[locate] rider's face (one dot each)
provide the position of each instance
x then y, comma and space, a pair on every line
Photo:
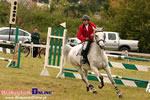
85, 22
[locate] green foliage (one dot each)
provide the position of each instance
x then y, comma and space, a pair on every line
131, 19
86, 7
76, 10
73, 1
4, 13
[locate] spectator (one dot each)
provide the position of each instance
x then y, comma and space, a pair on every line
35, 38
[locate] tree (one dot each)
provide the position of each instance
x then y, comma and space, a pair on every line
131, 19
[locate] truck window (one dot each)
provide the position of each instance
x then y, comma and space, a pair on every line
104, 36
111, 36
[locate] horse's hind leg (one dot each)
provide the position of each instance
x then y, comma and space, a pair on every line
107, 69
85, 80
100, 77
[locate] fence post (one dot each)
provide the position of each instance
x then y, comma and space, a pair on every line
31, 49
126, 54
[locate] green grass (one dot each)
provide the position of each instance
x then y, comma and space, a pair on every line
65, 89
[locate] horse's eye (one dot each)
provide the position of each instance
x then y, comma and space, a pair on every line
96, 36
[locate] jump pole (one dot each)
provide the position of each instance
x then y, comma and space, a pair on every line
118, 80
114, 76
5, 59
128, 66
128, 57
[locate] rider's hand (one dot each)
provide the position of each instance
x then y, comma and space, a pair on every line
92, 35
86, 38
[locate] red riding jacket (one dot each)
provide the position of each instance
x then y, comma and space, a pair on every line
83, 32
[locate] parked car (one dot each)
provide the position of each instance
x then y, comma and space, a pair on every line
23, 35
113, 42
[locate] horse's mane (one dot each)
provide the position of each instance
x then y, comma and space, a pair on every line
99, 29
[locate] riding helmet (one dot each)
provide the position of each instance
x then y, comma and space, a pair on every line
85, 17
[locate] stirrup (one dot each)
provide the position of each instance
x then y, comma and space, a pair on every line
83, 61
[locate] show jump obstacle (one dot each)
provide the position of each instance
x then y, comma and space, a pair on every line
54, 59
15, 62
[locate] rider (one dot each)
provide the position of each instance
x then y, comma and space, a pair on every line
86, 34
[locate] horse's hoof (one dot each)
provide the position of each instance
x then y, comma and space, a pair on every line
87, 89
95, 92
120, 96
100, 87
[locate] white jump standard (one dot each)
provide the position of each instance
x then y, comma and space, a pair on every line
52, 36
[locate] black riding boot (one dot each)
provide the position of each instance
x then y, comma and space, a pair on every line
83, 53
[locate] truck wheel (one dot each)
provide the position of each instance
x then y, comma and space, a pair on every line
124, 48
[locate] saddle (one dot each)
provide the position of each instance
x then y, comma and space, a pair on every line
79, 54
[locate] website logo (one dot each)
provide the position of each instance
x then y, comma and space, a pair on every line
35, 91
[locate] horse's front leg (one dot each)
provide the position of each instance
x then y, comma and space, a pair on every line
85, 80
86, 73
107, 69
100, 77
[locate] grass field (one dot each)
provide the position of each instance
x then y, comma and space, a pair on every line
65, 89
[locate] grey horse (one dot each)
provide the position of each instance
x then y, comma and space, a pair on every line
97, 60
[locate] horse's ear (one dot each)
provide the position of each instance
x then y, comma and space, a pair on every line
102, 28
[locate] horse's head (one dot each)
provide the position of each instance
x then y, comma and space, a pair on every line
99, 37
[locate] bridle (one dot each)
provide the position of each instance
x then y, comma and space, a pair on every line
97, 41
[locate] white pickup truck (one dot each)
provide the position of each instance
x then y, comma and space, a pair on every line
113, 42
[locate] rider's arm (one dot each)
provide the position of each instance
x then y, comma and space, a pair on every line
79, 35
92, 34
